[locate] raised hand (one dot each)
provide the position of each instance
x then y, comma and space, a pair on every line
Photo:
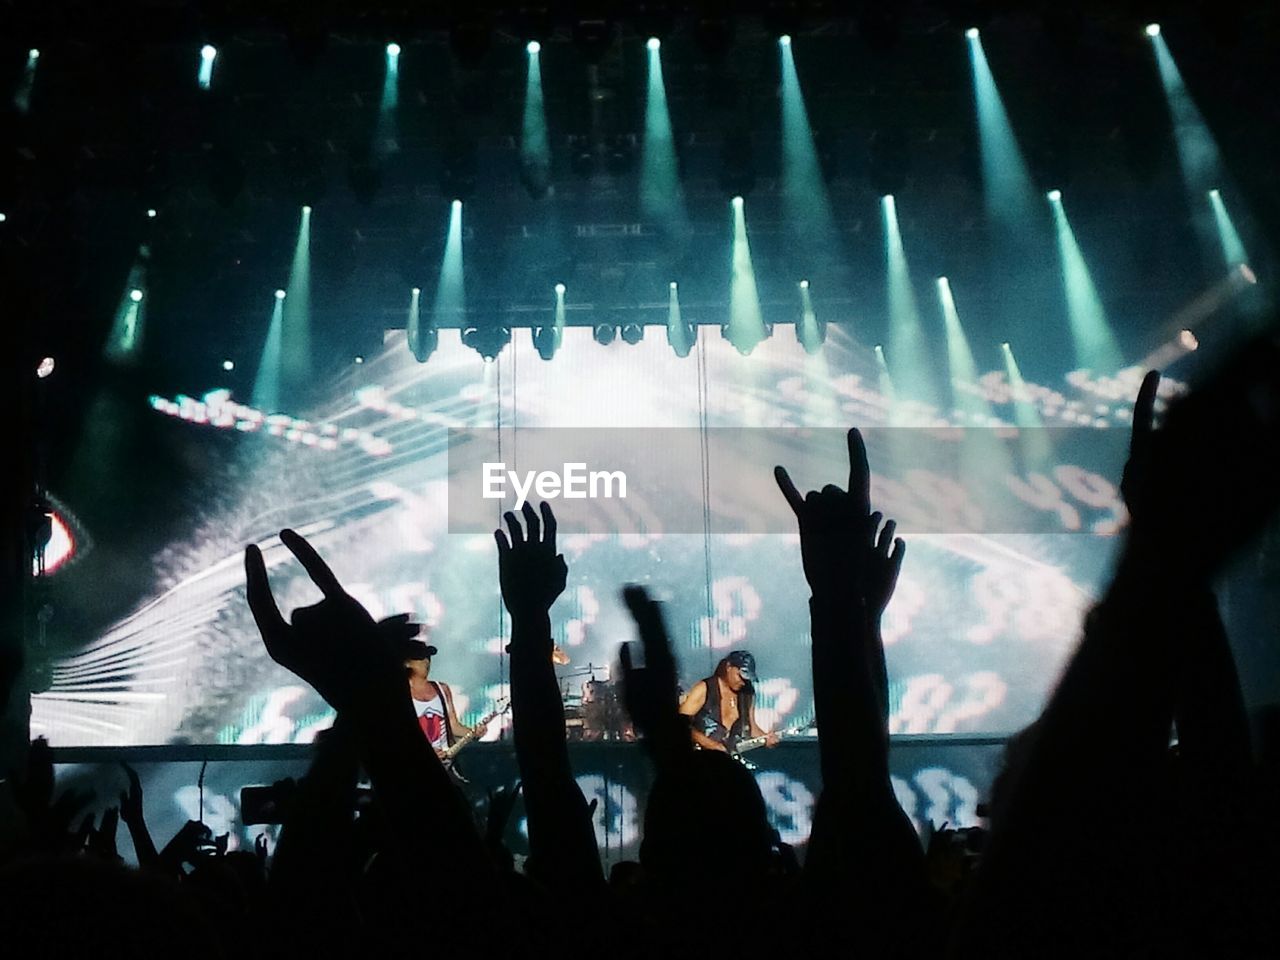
650, 693
1137, 469
101, 843
334, 645
131, 799
532, 575
843, 557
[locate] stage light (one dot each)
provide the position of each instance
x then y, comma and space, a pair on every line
280, 294
737, 201
1094, 343
535, 144
359, 359
393, 49
534, 47
416, 291
972, 33
457, 206
674, 285
228, 365
1229, 240
632, 333
45, 368
151, 214
1188, 340
1054, 196
33, 54
135, 296
1247, 273
3, 217
785, 40
1153, 29
804, 284
604, 333
208, 54
560, 288
661, 192
306, 210
1005, 345
654, 43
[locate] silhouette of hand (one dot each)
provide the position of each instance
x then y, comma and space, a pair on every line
101, 843
131, 799
334, 645
649, 692
501, 802
1137, 469
532, 575
49, 819
838, 543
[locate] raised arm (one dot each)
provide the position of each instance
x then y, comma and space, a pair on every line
562, 841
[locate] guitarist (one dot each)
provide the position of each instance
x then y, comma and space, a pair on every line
432, 700
721, 708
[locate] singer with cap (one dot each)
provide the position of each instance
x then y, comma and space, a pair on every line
721, 708
432, 700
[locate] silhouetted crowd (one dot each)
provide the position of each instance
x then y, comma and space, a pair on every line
1076, 858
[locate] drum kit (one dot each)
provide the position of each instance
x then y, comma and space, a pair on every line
593, 708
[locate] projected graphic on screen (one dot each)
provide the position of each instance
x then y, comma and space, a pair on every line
975, 634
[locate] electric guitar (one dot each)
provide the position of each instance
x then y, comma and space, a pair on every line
746, 744
451, 751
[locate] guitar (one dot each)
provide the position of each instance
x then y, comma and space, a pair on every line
451, 751
746, 744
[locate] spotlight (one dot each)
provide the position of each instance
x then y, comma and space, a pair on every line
33, 54
209, 52
3, 217
560, 288
45, 368
306, 210
1005, 345
534, 47
654, 43
416, 291
604, 333
879, 350
1153, 29
359, 359
1054, 196
393, 49
737, 201
228, 365
804, 284
1188, 340
151, 214
632, 333
785, 40
674, 285
135, 296
1247, 273
1214, 193
280, 294
457, 205
972, 33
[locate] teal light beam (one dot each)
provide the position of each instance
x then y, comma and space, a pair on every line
449, 309
680, 335
1095, 345
266, 385
1009, 191
295, 358
746, 323
22, 96
810, 331
208, 56
124, 344
906, 334
661, 193
535, 148
1233, 251
804, 192
982, 455
1033, 439
886, 380
386, 134
1198, 155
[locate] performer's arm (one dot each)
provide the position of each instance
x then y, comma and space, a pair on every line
456, 726
694, 701
759, 731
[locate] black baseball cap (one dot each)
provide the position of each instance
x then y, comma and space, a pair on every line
745, 663
417, 650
